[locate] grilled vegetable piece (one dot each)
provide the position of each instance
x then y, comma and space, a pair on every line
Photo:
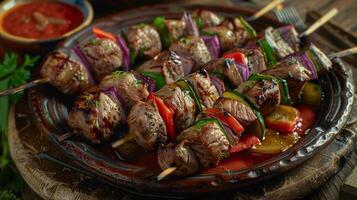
103, 55
181, 102
294, 73
130, 89
269, 52
243, 113
95, 114
275, 142
201, 83
208, 140
66, 74
226, 119
226, 69
144, 40
246, 142
258, 126
99, 33
207, 18
283, 119
166, 113
166, 63
158, 78
180, 156
311, 94
321, 61
146, 123
194, 48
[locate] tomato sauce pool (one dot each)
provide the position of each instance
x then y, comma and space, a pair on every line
42, 19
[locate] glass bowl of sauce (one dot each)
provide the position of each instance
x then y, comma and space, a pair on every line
43, 21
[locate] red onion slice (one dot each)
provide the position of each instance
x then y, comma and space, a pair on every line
218, 83
212, 42
126, 52
243, 70
147, 80
190, 25
304, 59
78, 51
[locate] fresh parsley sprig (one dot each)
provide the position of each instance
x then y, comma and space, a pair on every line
12, 74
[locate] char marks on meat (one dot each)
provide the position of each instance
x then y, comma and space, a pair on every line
167, 63
104, 56
264, 95
182, 103
180, 156
280, 47
203, 87
145, 122
227, 67
243, 113
210, 143
144, 40
94, 115
130, 89
68, 75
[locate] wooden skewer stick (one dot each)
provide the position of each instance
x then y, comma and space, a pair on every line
24, 86
166, 173
265, 9
343, 53
65, 136
319, 22
123, 140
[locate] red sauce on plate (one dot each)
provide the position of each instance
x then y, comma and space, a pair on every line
42, 19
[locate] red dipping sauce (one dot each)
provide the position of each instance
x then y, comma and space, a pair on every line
42, 19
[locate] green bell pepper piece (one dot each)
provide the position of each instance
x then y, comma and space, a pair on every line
157, 77
165, 35
268, 52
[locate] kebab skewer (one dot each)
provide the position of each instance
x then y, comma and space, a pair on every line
137, 47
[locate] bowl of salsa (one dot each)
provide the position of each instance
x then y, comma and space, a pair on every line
43, 21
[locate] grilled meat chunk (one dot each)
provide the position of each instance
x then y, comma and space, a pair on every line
180, 156
290, 36
66, 74
182, 103
207, 17
194, 48
264, 95
294, 73
209, 143
95, 114
167, 63
227, 68
144, 40
103, 56
243, 113
255, 58
145, 122
203, 87
280, 47
130, 89
177, 28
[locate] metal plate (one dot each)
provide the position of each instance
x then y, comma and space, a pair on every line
44, 102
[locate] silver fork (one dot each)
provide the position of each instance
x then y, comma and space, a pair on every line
289, 15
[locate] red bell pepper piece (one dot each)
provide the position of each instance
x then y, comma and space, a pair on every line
246, 142
99, 33
308, 118
283, 119
238, 57
226, 118
167, 115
